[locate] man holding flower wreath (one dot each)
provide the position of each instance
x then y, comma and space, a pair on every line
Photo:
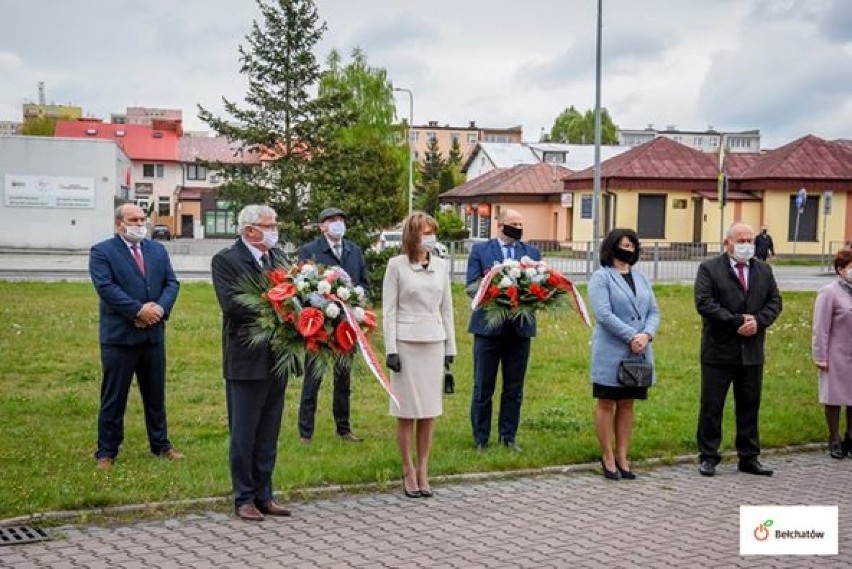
254, 391
506, 344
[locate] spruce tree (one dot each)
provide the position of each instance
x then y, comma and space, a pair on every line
280, 122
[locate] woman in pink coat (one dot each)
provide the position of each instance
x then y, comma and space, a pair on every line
832, 352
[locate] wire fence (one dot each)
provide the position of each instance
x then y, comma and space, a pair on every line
660, 261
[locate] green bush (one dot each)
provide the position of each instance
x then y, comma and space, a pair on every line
377, 262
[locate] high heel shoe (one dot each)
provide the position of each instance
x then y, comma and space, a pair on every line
610, 474
835, 450
625, 474
410, 493
846, 445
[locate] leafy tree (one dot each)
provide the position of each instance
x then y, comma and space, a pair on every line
39, 126
575, 128
431, 171
450, 226
363, 168
281, 122
454, 158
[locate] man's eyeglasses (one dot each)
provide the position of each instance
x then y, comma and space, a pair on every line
265, 225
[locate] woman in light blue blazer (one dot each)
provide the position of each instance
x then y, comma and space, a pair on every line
626, 320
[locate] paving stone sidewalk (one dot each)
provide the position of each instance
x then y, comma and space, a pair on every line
669, 517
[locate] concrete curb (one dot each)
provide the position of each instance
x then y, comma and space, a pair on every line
315, 493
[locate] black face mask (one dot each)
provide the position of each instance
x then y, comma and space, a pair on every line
625, 256
513, 232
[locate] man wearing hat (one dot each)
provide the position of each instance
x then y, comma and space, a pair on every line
331, 249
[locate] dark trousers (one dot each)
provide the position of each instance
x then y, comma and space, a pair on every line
340, 398
489, 352
120, 363
715, 380
255, 408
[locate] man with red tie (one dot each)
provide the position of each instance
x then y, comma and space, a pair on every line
137, 287
738, 299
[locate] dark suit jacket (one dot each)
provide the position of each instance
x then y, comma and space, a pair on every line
239, 361
352, 262
721, 302
123, 290
482, 257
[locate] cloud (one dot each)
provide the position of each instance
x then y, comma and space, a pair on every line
752, 85
836, 21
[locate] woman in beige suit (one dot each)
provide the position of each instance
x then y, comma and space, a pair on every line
417, 308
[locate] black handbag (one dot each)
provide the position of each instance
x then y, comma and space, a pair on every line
449, 382
635, 372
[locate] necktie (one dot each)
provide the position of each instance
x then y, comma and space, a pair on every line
741, 275
265, 262
510, 251
137, 256
338, 251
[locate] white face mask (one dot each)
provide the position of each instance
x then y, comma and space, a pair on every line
428, 242
135, 233
270, 238
337, 229
743, 252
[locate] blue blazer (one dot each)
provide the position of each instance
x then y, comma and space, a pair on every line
619, 315
123, 289
482, 257
352, 262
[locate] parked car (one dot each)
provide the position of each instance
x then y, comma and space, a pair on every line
388, 240
161, 232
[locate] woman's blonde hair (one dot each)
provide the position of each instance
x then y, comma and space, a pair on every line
411, 228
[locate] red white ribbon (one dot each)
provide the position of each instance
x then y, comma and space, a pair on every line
367, 352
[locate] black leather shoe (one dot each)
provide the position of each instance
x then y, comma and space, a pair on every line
610, 474
625, 474
835, 450
273, 508
707, 468
349, 437
753, 466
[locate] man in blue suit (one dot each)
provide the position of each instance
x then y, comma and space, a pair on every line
507, 345
331, 249
137, 288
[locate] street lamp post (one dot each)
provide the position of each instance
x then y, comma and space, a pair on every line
410, 146
596, 185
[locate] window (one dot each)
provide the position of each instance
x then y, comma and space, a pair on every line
679, 204
807, 220
430, 136
152, 170
164, 206
415, 135
554, 157
219, 223
586, 207
455, 137
652, 216
144, 188
196, 172
144, 203
472, 138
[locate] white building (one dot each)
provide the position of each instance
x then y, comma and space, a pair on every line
60, 193
706, 141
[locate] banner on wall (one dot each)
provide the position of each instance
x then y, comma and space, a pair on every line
69, 192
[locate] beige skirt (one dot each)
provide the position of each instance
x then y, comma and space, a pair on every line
419, 386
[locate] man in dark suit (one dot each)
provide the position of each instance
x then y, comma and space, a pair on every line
254, 392
137, 288
507, 345
738, 299
331, 249
763, 245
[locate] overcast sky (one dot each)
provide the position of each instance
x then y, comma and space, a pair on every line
781, 66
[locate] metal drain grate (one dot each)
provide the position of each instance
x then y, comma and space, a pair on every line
14, 535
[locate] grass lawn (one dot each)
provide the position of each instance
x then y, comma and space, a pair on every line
50, 384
